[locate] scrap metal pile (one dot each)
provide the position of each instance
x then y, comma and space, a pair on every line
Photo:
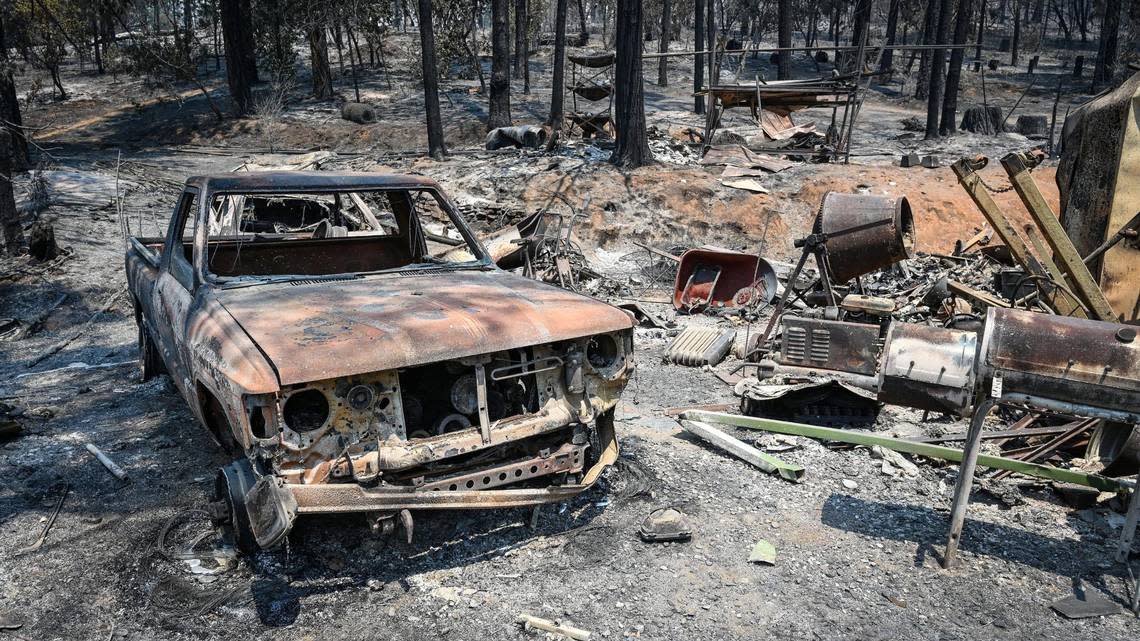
1021, 326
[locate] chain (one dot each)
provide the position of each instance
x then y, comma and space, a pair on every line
993, 189
1003, 190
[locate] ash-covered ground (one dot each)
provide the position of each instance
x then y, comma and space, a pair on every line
858, 550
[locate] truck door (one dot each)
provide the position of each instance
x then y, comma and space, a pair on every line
174, 291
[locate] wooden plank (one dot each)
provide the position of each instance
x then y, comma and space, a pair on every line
1083, 283
744, 451
970, 181
969, 292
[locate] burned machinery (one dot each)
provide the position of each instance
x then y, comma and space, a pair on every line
1073, 366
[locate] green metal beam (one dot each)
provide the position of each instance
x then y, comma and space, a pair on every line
928, 450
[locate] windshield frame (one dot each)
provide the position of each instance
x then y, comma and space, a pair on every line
201, 237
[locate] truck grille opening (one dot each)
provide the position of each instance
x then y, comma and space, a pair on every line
443, 397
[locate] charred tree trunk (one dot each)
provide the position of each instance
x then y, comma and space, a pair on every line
1106, 52
249, 46
558, 79
714, 59
436, 147
698, 60
237, 71
524, 46
981, 35
862, 19
499, 113
663, 45
96, 48
1013, 48
9, 218
888, 58
319, 51
631, 147
929, 31
520, 30
13, 123
783, 39
954, 76
938, 69
584, 31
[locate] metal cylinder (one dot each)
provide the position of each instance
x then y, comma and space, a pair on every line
1090, 365
865, 233
929, 368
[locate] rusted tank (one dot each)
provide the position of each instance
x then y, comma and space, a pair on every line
1072, 365
865, 233
929, 368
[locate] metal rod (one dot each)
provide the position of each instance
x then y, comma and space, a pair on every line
113, 468
965, 481
675, 54
899, 445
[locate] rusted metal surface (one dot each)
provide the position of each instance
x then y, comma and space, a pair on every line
864, 232
929, 368
1068, 360
362, 390
830, 345
315, 331
718, 278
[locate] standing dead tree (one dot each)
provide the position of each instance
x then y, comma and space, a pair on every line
938, 69
663, 44
10, 118
1106, 50
784, 38
499, 112
436, 148
699, 60
235, 22
954, 75
9, 217
559, 73
631, 147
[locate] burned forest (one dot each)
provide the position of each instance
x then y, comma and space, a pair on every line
569, 319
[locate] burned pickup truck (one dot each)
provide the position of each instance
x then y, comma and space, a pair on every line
349, 335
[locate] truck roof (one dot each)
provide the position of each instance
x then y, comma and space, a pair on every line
295, 181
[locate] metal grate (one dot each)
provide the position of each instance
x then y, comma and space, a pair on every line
820, 348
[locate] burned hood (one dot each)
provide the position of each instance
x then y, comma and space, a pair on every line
315, 330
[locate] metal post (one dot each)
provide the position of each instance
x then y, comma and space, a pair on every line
965, 480
1129, 532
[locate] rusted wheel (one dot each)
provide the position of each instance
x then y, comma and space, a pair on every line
150, 363
230, 488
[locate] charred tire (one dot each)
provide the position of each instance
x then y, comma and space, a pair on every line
150, 363
231, 485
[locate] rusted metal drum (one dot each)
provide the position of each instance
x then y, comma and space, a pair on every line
1071, 364
865, 232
